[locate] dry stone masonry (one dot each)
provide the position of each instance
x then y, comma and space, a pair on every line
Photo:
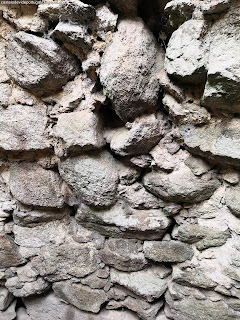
120, 160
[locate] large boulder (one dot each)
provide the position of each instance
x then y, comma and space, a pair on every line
123, 221
33, 185
129, 69
38, 64
180, 185
27, 131
186, 53
93, 177
223, 78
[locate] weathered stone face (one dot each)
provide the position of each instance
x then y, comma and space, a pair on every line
93, 177
36, 64
27, 131
33, 185
10, 255
130, 64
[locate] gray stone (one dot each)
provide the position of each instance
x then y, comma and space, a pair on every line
56, 256
222, 87
72, 33
93, 177
128, 70
180, 185
22, 314
73, 10
5, 92
80, 130
144, 309
185, 55
138, 197
197, 165
190, 308
128, 173
215, 7
3, 61
185, 112
167, 251
233, 200
123, 254
9, 253
9, 313
27, 131
33, 185
5, 298
123, 221
105, 21
25, 281
148, 283
82, 297
145, 132
37, 64
218, 141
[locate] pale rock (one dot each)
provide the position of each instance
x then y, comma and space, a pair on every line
22, 128
5, 298
128, 70
184, 113
128, 173
22, 314
197, 165
25, 281
169, 87
73, 34
222, 87
144, 309
93, 177
33, 185
36, 64
145, 132
26, 217
104, 22
218, 141
57, 256
80, 296
148, 283
230, 175
80, 131
3, 61
138, 197
25, 18
232, 200
9, 253
73, 10
142, 161
167, 251
160, 316
123, 221
9, 313
5, 92
180, 185
123, 254
186, 53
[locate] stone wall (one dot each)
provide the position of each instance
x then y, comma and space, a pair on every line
119, 160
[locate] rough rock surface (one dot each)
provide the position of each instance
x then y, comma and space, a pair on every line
119, 160
133, 49
36, 63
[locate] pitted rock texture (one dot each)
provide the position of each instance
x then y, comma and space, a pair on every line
119, 160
